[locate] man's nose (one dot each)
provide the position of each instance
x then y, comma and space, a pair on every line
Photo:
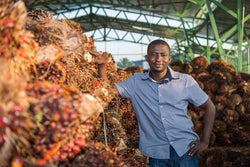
158, 56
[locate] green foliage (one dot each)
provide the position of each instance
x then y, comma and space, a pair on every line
124, 63
183, 57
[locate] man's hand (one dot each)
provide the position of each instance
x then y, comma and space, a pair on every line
102, 69
98, 58
101, 61
197, 147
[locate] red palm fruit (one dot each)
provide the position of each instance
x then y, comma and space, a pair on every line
56, 136
15, 124
64, 135
65, 116
65, 148
1, 139
73, 116
63, 156
25, 38
55, 157
9, 23
5, 54
37, 148
82, 143
53, 124
78, 135
4, 121
71, 155
22, 54
56, 116
76, 149
17, 107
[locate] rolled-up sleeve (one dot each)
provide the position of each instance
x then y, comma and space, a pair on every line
126, 87
196, 95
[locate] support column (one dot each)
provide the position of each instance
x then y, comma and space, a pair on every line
213, 23
208, 47
240, 32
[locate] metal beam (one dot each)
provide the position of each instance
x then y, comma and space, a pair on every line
94, 15
208, 48
224, 8
185, 30
213, 23
234, 28
240, 32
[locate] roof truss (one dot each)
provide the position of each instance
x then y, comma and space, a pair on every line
205, 27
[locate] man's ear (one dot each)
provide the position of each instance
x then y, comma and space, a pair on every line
170, 58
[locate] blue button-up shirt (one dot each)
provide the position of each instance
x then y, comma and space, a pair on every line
161, 110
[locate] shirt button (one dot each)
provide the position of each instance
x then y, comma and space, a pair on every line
167, 131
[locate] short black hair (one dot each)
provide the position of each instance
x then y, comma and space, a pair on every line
158, 42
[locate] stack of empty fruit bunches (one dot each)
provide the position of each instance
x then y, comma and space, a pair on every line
230, 92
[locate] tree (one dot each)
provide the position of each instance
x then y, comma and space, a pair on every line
124, 63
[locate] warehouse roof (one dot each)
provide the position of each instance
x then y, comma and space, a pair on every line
189, 10
185, 21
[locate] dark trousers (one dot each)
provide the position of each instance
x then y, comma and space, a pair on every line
174, 160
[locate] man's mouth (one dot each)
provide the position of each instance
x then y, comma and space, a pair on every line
158, 65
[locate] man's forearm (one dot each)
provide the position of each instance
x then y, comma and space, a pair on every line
102, 68
208, 121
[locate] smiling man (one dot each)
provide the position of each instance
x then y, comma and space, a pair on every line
160, 99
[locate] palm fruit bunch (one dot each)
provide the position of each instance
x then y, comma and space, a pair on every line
98, 154
64, 120
129, 122
16, 43
111, 131
15, 123
52, 72
64, 40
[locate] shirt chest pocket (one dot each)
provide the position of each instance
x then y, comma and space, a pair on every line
173, 95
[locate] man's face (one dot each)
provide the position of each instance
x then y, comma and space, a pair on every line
158, 57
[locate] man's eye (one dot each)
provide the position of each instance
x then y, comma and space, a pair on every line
154, 54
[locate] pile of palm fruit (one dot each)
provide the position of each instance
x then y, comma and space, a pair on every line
51, 96
230, 92
56, 111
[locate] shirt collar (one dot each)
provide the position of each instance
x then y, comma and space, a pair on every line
172, 75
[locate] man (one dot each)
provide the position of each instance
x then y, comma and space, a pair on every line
160, 99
